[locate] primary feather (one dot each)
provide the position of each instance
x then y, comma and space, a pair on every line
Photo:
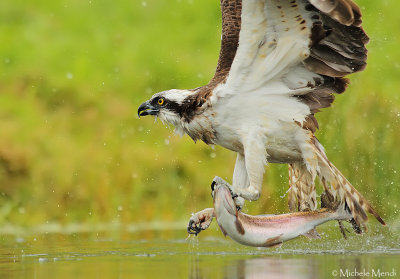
280, 62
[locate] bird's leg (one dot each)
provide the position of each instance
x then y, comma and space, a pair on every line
240, 179
249, 168
200, 221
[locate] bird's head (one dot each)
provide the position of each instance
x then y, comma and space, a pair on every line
167, 105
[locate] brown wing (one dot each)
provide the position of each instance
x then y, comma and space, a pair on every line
231, 19
337, 49
334, 35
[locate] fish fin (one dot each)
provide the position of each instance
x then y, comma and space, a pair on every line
276, 245
273, 241
312, 234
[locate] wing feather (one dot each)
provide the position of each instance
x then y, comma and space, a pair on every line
303, 48
231, 23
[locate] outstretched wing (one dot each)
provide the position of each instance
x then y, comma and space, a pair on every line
298, 48
231, 21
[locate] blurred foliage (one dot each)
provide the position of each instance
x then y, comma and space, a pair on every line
72, 150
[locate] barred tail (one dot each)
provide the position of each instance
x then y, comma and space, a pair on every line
337, 185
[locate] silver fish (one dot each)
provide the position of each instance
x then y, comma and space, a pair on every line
268, 230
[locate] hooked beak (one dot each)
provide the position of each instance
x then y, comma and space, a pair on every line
147, 109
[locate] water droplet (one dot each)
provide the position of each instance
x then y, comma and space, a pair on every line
19, 240
70, 76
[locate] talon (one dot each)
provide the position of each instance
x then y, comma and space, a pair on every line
213, 185
234, 195
192, 228
189, 227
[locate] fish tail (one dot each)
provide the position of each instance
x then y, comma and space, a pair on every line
343, 213
341, 189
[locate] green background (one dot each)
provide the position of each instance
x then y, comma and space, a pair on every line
72, 150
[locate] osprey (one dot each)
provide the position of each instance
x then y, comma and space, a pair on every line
280, 62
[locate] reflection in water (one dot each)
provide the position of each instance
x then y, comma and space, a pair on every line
271, 267
195, 269
113, 256
254, 268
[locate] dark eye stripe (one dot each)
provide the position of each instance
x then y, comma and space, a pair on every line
168, 104
174, 106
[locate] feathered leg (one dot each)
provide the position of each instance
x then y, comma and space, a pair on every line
301, 194
336, 184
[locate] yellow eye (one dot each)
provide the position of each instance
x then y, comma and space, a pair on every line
160, 101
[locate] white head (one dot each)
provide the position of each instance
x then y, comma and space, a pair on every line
169, 106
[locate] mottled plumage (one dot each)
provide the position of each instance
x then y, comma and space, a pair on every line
281, 61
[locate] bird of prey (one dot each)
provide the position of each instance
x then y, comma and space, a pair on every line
281, 61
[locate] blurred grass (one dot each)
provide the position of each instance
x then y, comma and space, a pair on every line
72, 74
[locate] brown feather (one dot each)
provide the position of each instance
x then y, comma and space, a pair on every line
356, 13
320, 67
328, 55
302, 195
340, 10
335, 182
231, 21
337, 48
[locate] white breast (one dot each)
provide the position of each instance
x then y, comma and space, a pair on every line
271, 115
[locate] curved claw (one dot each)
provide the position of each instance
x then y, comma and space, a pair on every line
200, 221
213, 185
233, 194
193, 229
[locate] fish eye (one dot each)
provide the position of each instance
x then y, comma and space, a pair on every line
161, 101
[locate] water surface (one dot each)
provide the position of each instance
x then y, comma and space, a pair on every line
153, 253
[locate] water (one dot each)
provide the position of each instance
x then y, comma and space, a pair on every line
170, 254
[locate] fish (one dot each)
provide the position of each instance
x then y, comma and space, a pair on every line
268, 230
